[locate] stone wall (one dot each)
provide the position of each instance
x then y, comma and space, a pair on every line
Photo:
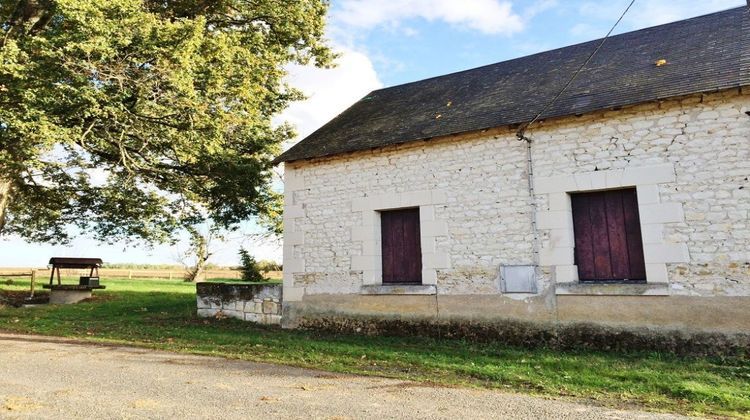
689, 159
249, 302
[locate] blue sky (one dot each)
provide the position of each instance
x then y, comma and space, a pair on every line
389, 42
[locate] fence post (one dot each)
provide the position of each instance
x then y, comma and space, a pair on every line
33, 280
130, 274
170, 275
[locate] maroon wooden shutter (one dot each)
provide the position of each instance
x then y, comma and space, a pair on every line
608, 244
402, 249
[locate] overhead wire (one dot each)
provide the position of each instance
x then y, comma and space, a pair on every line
521, 135
522, 130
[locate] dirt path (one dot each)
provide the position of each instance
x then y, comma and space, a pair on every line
49, 378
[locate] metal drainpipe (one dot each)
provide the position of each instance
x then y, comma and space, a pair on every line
532, 197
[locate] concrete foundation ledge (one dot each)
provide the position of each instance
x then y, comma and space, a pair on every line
613, 289
398, 289
559, 336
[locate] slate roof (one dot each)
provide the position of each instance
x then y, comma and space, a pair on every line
704, 54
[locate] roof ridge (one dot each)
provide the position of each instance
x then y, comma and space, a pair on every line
705, 53
579, 44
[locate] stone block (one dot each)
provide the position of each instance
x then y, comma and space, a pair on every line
416, 198
556, 256
293, 211
293, 294
665, 253
648, 194
207, 312
661, 213
294, 238
561, 238
426, 213
364, 233
65, 297
361, 204
598, 180
433, 228
559, 201
270, 319
436, 260
614, 178
270, 307
656, 273
374, 276
428, 244
293, 180
251, 317
649, 175
429, 276
554, 220
583, 182
294, 265
234, 314
652, 233
363, 262
566, 273
206, 301
439, 196
230, 305
372, 247
562, 183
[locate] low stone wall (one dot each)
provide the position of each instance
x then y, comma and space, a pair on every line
259, 303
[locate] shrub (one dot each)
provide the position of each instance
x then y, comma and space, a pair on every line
249, 267
268, 265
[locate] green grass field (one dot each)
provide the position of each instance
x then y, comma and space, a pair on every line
160, 314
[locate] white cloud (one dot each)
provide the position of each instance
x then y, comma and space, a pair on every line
329, 91
486, 16
538, 7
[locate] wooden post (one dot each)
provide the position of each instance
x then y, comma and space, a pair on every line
33, 280
130, 274
59, 282
170, 275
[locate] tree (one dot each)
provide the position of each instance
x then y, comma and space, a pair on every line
134, 119
199, 252
249, 267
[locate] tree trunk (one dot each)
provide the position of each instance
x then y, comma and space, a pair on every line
200, 247
4, 201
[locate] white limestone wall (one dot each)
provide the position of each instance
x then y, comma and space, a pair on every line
690, 160
472, 192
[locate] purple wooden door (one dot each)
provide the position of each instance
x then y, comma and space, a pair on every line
608, 244
402, 249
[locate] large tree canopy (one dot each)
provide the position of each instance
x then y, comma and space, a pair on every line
135, 118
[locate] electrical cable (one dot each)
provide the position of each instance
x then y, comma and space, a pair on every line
522, 131
521, 135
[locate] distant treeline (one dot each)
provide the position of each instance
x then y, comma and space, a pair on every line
175, 267
263, 265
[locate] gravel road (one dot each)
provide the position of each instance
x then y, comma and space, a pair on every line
44, 377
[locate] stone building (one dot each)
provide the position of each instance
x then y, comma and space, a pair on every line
627, 206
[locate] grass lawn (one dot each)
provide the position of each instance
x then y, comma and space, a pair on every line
160, 314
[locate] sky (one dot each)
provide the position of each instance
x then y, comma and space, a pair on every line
389, 42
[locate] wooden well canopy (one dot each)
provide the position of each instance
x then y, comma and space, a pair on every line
57, 263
